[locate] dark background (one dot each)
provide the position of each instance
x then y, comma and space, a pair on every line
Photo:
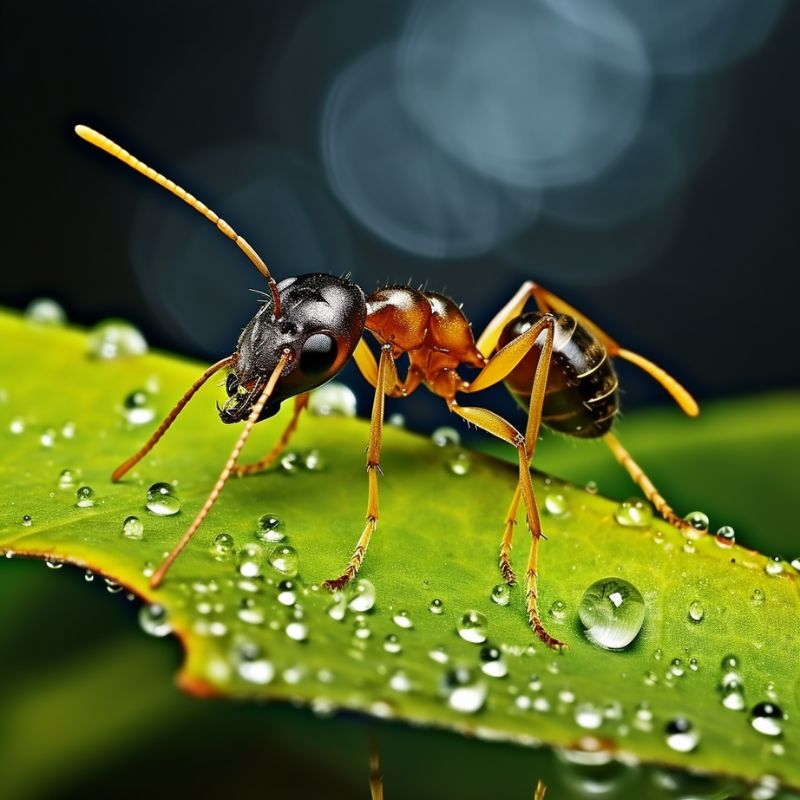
703, 280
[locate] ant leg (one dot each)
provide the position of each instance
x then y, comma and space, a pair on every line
645, 484
386, 379
169, 419
375, 777
300, 402
255, 413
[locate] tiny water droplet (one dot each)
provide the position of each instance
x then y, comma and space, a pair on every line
556, 504
558, 611
694, 664
634, 513
733, 696
472, 627
396, 421
676, 668
153, 620
465, 691
363, 596
501, 594
332, 400
681, 735
66, 480
362, 629
767, 718
535, 683
588, 716
88, 576
250, 612
436, 606
132, 528
391, 644
445, 436
115, 338
289, 462
287, 595
698, 520
541, 704
44, 311
492, 663
68, 429
251, 664
48, 438
591, 487
248, 561
148, 569
459, 463
439, 655
774, 566
84, 497
313, 461
112, 587
270, 529
138, 408
27, 520
726, 536
758, 597
17, 426
162, 500
696, 611
223, 546
285, 559
796, 563
612, 612
53, 564
402, 620
297, 631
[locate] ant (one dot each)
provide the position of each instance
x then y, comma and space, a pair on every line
556, 363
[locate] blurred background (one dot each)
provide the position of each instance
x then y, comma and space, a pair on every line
638, 158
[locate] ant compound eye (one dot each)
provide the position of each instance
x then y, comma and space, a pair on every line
318, 355
231, 384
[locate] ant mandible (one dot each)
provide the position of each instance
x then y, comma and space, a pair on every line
555, 362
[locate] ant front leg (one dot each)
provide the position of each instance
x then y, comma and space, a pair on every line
300, 402
385, 382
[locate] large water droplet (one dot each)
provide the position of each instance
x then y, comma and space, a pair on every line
501, 594
153, 620
612, 612
332, 400
472, 627
698, 520
115, 338
84, 497
44, 311
132, 528
138, 408
767, 718
285, 559
162, 500
465, 691
634, 513
363, 596
681, 735
270, 529
444, 436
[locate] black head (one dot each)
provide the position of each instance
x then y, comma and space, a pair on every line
322, 319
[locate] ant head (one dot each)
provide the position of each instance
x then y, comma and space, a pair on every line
320, 323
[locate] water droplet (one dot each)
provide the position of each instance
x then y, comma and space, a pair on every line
138, 408
698, 520
132, 528
363, 596
767, 718
796, 563
694, 664
313, 461
162, 500
285, 559
251, 663
287, 595
396, 421
634, 513
612, 612
588, 716
676, 668
297, 631
436, 606
289, 463
112, 587
68, 429
465, 691
591, 487
17, 426
492, 662
758, 597
66, 480
501, 594
459, 463
696, 612
250, 612
726, 536
558, 611
44, 311
774, 566
48, 438
391, 644
223, 546
535, 683
444, 436
439, 655
148, 569
27, 520
248, 561
153, 620
332, 400
556, 504
472, 627
733, 696
53, 564
115, 338
400, 682
84, 497
270, 529
402, 620
681, 735
88, 576
541, 704
362, 629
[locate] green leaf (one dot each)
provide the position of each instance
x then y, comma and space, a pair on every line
437, 540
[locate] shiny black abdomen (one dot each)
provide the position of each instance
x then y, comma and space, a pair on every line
582, 394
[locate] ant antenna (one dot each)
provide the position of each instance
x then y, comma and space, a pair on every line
113, 149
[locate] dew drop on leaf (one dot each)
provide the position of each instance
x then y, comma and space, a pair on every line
634, 513
696, 611
162, 501
44, 311
332, 400
84, 497
681, 735
767, 718
465, 691
612, 612
154, 621
501, 594
223, 546
115, 338
445, 436
132, 528
270, 528
459, 463
436, 606
285, 559
138, 408
726, 536
472, 627
363, 596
